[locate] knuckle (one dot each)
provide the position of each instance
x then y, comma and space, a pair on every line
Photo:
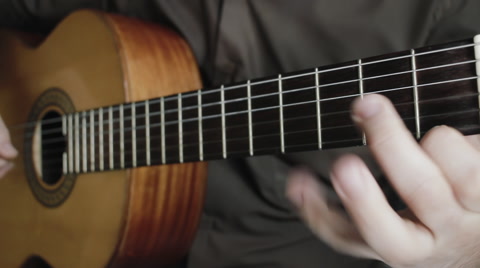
467, 188
385, 136
438, 135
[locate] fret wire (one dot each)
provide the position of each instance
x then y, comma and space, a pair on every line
280, 100
417, 70
319, 117
324, 85
110, 137
92, 140
350, 125
328, 85
64, 155
339, 112
335, 98
180, 128
340, 126
191, 94
134, 137
346, 67
147, 132
250, 125
162, 125
339, 68
336, 69
476, 40
224, 134
331, 84
101, 160
77, 144
360, 86
344, 126
200, 126
84, 141
327, 99
122, 137
70, 144
415, 93
314, 144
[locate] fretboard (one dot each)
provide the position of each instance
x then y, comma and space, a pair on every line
293, 112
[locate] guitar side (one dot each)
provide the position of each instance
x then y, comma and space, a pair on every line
141, 217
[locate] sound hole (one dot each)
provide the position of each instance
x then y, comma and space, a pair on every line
53, 145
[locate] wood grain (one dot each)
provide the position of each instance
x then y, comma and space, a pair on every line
135, 218
165, 202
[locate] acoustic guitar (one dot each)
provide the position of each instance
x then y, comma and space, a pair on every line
114, 132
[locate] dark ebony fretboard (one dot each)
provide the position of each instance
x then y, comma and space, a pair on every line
302, 111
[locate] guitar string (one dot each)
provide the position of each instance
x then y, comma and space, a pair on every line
227, 88
254, 125
195, 119
275, 94
54, 162
216, 155
286, 133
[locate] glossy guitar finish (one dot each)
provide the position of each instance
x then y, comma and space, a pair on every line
143, 217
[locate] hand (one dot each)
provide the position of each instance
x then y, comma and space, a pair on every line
438, 179
7, 152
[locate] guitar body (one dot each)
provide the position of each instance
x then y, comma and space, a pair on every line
143, 217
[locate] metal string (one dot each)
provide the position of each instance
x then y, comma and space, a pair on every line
244, 85
291, 132
195, 119
229, 127
175, 146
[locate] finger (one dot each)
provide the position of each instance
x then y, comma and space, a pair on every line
458, 160
474, 140
329, 224
6, 148
413, 174
396, 240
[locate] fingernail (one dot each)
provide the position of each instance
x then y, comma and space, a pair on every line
366, 108
9, 150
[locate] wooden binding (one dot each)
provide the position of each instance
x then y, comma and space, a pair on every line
165, 202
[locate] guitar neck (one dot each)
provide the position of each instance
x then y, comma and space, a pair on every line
301, 111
